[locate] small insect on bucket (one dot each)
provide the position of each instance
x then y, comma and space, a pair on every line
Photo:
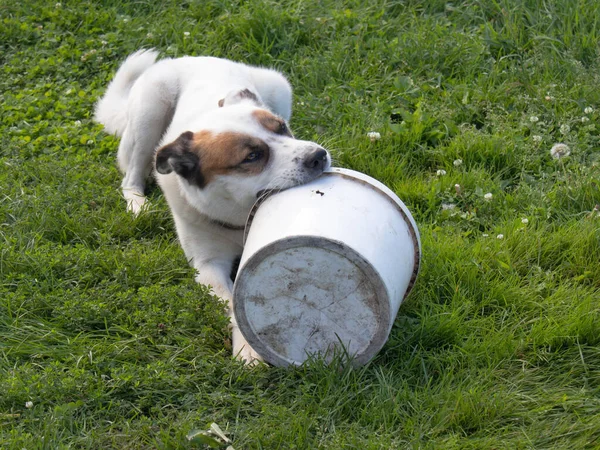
325, 268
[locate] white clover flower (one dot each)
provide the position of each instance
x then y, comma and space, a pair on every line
149, 35
485, 235
77, 123
548, 98
534, 119
536, 138
457, 162
585, 119
588, 110
500, 236
488, 196
525, 220
58, 5
28, 405
564, 129
458, 188
125, 20
86, 55
560, 150
103, 43
374, 136
186, 33
440, 172
448, 206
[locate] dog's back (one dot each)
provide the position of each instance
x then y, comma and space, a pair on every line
175, 78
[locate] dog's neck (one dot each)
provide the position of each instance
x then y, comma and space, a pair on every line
226, 225
217, 205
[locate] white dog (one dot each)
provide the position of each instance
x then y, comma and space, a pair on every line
217, 133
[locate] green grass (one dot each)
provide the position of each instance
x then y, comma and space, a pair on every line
104, 331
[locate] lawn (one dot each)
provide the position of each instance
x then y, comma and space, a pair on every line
107, 342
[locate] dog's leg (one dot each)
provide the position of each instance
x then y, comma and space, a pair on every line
211, 254
150, 116
135, 162
214, 278
216, 275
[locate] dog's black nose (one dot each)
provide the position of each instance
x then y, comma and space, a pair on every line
316, 160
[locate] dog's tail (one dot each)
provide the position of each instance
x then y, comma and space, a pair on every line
111, 110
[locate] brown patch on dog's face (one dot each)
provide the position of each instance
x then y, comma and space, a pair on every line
272, 123
199, 157
229, 152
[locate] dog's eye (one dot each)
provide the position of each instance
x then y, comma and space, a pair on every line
253, 156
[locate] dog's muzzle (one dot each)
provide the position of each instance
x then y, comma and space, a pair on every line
317, 160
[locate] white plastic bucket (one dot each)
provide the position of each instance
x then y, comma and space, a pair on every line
325, 264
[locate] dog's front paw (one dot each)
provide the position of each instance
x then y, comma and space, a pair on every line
242, 350
248, 355
135, 201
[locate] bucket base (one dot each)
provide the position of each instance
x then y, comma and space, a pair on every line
309, 295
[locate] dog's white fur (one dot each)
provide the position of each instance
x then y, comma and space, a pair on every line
199, 114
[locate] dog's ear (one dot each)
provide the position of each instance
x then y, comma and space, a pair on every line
238, 96
178, 157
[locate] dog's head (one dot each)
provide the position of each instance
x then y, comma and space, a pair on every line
239, 150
